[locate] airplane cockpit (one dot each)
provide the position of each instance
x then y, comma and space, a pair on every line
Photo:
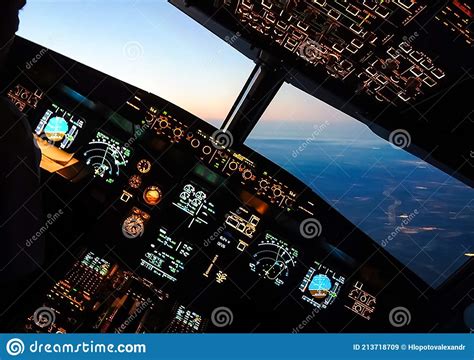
158, 221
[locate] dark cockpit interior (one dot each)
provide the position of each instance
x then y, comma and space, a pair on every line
156, 221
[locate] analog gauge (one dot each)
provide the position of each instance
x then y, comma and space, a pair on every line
133, 227
273, 259
152, 195
144, 166
135, 181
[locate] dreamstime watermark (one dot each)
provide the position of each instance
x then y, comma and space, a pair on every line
399, 316
51, 219
406, 221
305, 321
30, 64
138, 133
133, 50
222, 139
143, 307
408, 39
318, 130
15, 347
311, 228
311, 50
400, 139
216, 235
44, 317
222, 317
232, 39
220, 230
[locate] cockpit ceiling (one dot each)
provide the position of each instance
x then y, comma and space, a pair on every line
395, 65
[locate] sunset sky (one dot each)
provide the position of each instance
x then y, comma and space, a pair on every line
154, 46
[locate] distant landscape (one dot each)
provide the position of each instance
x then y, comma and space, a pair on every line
380, 188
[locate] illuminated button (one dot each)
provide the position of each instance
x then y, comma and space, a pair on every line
126, 196
178, 132
247, 175
163, 123
233, 166
149, 117
152, 195
206, 150
277, 192
242, 245
264, 185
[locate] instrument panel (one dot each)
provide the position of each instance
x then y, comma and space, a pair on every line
175, 226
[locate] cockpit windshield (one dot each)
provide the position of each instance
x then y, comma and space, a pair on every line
416, 212
149, 44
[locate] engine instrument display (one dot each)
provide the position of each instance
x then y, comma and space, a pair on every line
321, 286
274, 259
194, 201
107, 156
59, 127
167, 256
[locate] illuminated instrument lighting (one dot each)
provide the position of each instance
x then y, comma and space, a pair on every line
59, 126
106, 156
135, 181
144, 166
134, 225
152, 195
273, 259
321, 286
167, 256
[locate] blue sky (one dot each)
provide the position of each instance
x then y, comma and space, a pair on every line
171, 56
169, 47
